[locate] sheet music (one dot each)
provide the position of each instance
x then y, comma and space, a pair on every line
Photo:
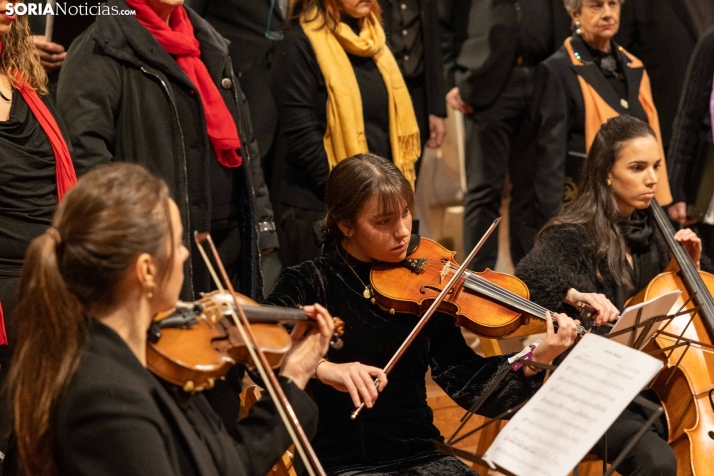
654, 307
566, 417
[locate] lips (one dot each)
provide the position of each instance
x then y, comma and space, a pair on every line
7, 17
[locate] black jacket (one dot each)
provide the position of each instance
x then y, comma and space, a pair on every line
115, 96
244, 24
433, 62
559, 117
662, 35
116, 418
693, 123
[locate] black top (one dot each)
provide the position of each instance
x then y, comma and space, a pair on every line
299, 90
610, 65
28, 184
221, 181
400, 424
535, 37
404, 36
116, 418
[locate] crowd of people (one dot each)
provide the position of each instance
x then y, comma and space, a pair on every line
292, 131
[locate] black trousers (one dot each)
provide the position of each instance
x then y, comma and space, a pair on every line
651, 456
8, 298
495, 143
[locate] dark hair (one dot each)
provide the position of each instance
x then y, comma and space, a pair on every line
111, 216
354, 181
594, 207
329, 9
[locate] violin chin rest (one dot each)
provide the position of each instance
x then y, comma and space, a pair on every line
413, 243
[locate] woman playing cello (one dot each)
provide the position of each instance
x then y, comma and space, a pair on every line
84, 402
605, 243
369, 218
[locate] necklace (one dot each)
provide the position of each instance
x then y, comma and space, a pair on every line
367, 293
5, 98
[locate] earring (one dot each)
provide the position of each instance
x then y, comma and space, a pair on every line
150, 289
577, 28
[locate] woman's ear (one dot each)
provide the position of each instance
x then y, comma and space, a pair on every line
345, 227
145, 271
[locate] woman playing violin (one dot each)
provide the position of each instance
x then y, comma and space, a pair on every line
602, 250
84, 402
369, 219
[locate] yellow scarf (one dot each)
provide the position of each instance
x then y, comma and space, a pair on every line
345, 134
597, 112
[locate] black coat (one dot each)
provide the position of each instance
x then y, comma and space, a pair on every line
116, 418
662, 35
244, 24
559, 117
115, 96
693, 123
433, 62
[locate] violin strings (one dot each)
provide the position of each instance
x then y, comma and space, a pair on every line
506, 295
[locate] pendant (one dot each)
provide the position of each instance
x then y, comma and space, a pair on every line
367, 294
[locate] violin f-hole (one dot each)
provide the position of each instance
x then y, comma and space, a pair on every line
433, 288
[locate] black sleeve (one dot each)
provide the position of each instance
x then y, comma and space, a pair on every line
263, 206
464, 375
551, 117
435, 83
453, 18
693, 109
260, 439
88, 107
555, 264
293, 83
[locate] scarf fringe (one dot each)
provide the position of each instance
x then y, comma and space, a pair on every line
410, 151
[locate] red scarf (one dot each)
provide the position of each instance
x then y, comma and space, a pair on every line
178, 40
66, 176
3, 336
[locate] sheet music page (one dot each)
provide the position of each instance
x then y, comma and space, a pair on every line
566, 417
654, 307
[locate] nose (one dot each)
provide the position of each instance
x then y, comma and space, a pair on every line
652, 177
404, 228
607, 11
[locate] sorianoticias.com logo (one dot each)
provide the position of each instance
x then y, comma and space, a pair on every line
61, 8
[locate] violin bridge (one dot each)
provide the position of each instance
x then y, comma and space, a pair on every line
444, 271
415, 265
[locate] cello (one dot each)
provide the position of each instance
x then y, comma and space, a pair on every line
686, 384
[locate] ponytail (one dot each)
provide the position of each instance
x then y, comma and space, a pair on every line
52, 333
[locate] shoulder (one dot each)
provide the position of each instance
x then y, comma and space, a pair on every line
557, 61
565, 233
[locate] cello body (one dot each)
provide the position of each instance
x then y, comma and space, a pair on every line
685, 383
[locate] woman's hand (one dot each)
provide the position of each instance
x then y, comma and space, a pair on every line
437, 131
309, 345
691, 243
606, 311
355, 378
555, 343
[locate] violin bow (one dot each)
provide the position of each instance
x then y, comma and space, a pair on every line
285, 410
432, 309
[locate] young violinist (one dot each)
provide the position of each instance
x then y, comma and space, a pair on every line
84, 401
604, 249
369, 205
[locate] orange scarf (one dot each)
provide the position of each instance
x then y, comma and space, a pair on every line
597, 112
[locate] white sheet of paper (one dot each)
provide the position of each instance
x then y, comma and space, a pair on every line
654, 307
566, 417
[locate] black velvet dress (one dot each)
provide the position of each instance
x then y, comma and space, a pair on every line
393, 437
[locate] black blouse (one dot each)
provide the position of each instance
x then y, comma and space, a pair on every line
28, 184
400, 424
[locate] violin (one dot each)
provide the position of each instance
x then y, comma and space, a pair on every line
196, 343
686, 384
488, 303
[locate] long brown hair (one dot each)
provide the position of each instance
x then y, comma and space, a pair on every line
329, 9
112, 215
18, 54
354, 181
594, 207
